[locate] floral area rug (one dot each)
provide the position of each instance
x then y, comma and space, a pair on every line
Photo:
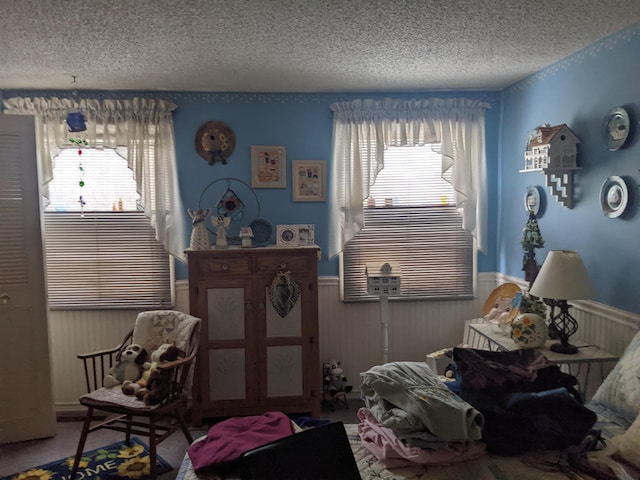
113, 462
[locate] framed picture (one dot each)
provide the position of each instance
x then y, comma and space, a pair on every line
299, 235
268, 167
309, 180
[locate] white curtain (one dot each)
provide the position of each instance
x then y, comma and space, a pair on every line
143, 126
455, 123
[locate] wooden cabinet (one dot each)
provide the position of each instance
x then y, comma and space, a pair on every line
251, 359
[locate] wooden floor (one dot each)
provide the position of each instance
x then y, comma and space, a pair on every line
16, 457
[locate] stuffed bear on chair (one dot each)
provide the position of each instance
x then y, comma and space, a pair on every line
129, 366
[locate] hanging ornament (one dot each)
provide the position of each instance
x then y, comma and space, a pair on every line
284, 293
76, 120
230, 204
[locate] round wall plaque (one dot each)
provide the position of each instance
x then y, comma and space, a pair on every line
215, 142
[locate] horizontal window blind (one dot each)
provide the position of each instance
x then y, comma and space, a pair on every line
105, 260
411, 220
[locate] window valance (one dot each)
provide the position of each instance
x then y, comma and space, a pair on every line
453, 122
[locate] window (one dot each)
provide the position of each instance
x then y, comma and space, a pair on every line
101, 251
411, 220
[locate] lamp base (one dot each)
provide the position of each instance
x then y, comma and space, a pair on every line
567, 349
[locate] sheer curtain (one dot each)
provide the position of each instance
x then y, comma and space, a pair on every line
455, 123
143, 126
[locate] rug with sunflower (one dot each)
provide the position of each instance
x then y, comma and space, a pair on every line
113, 462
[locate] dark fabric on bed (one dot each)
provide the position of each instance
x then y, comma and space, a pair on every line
526, 401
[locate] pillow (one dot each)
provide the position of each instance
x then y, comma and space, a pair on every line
620, 391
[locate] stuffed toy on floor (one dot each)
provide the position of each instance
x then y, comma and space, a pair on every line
334, 379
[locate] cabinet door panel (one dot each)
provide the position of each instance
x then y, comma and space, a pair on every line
284, 371
225, 313
227, 374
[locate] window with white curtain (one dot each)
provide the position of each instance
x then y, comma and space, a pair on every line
411, 220
101, 251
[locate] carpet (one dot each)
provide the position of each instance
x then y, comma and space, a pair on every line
113, 462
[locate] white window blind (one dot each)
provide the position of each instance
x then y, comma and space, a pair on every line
102, 254
411, 220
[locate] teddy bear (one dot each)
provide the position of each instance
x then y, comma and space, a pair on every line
334, 379
158, 385
128, 366
166, 352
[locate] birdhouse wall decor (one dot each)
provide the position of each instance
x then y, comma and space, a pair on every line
383, 280
553, 151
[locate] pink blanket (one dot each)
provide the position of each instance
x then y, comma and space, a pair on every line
393, 453
228, 440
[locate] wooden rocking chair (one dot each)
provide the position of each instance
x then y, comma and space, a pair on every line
125, 413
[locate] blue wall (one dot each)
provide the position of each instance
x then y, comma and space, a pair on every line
578, 91
303, 123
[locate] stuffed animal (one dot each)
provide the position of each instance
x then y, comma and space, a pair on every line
166, 352
158, 385
128, 366
334, 379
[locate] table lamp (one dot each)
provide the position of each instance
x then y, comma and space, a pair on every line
562, 277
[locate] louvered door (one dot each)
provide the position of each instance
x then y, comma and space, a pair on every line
26, 406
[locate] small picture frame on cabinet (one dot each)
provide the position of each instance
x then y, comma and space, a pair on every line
287, 235
299, 235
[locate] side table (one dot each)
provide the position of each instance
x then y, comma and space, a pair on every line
490, 337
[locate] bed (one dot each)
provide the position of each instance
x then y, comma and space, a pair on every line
616, 403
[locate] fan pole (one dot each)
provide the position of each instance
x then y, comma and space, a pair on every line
384, 323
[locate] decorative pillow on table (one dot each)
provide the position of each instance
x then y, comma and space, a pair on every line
620, 391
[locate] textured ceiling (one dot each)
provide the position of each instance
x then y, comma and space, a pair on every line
294, 45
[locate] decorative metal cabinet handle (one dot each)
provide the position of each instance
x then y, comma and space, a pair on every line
4, 298
283, 265
225, 267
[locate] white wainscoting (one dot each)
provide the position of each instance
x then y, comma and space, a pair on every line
350, 332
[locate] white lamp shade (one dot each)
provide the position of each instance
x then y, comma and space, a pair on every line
563, 276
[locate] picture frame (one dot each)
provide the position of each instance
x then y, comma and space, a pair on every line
268, 166
298, 235
309, 180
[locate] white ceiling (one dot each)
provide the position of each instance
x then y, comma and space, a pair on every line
294, 45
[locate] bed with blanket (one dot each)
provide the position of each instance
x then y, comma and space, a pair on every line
402, 395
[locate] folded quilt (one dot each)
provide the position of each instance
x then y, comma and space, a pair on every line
408, 397
393, 452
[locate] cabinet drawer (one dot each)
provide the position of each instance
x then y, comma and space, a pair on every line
276, 264
228, 266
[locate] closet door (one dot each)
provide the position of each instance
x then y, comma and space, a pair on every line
26, 405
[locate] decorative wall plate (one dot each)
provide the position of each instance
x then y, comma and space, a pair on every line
615, 128
533, 200
614, 197
215, 142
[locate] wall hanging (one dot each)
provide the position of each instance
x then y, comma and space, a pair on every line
284, 292
614, 197
268, 166
534, 200
615, 128
215, 142
553, 151
233, 198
